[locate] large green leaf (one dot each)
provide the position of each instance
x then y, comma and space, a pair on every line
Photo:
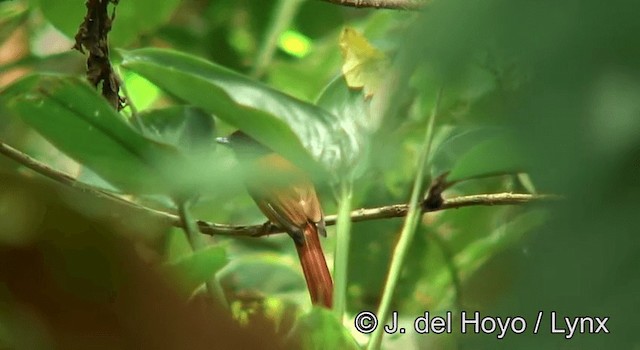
71, 115
133, 18
469, 151
197, 268
496, 155
294, 128
453, 143
266, 273
192, 132
352, 112
319, 329
477, 253
187, 128
11, 16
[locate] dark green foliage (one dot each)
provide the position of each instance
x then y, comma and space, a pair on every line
546, 88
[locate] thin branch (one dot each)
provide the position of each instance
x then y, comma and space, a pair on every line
70, 181
365, 214
381, 4
385, 212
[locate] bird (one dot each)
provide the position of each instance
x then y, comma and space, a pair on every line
285, 194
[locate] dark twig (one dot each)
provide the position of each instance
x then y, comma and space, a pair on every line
385, 212
92, 36
434, 193
70, 181
381, 4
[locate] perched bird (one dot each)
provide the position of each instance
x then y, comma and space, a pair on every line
286, 196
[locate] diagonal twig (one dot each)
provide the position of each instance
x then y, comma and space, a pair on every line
381, 4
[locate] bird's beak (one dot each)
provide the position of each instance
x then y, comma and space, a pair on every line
222, 140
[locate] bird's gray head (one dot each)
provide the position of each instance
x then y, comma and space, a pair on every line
243, 145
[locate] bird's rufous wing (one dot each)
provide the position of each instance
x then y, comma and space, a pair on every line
286, 196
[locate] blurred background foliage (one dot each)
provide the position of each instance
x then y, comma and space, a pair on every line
544, 87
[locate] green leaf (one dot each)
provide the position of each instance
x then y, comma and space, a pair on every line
296, 129
133, 18
198, 268
352, 111
73, 117
187, 128
12, 15
478, 252
176, 245
468, 151
496, 155
192, 132
319, 329
475, 254
452, 143
267, 273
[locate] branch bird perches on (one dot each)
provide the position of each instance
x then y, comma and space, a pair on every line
381, 4
358, 215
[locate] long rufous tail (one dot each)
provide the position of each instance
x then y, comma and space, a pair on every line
315, 268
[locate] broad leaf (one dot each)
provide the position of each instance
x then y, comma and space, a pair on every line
452, 144
11, 16
264, 273
352, 111
187, 128
71, 115
319, 329
192, 132
496, 155
197, 268
477, 253
364, 66
176, 245
296, 129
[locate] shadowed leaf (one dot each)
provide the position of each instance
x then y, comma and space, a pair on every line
296, 129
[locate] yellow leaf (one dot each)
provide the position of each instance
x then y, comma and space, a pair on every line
364, 65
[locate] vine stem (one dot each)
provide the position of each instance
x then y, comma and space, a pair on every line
198, 243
